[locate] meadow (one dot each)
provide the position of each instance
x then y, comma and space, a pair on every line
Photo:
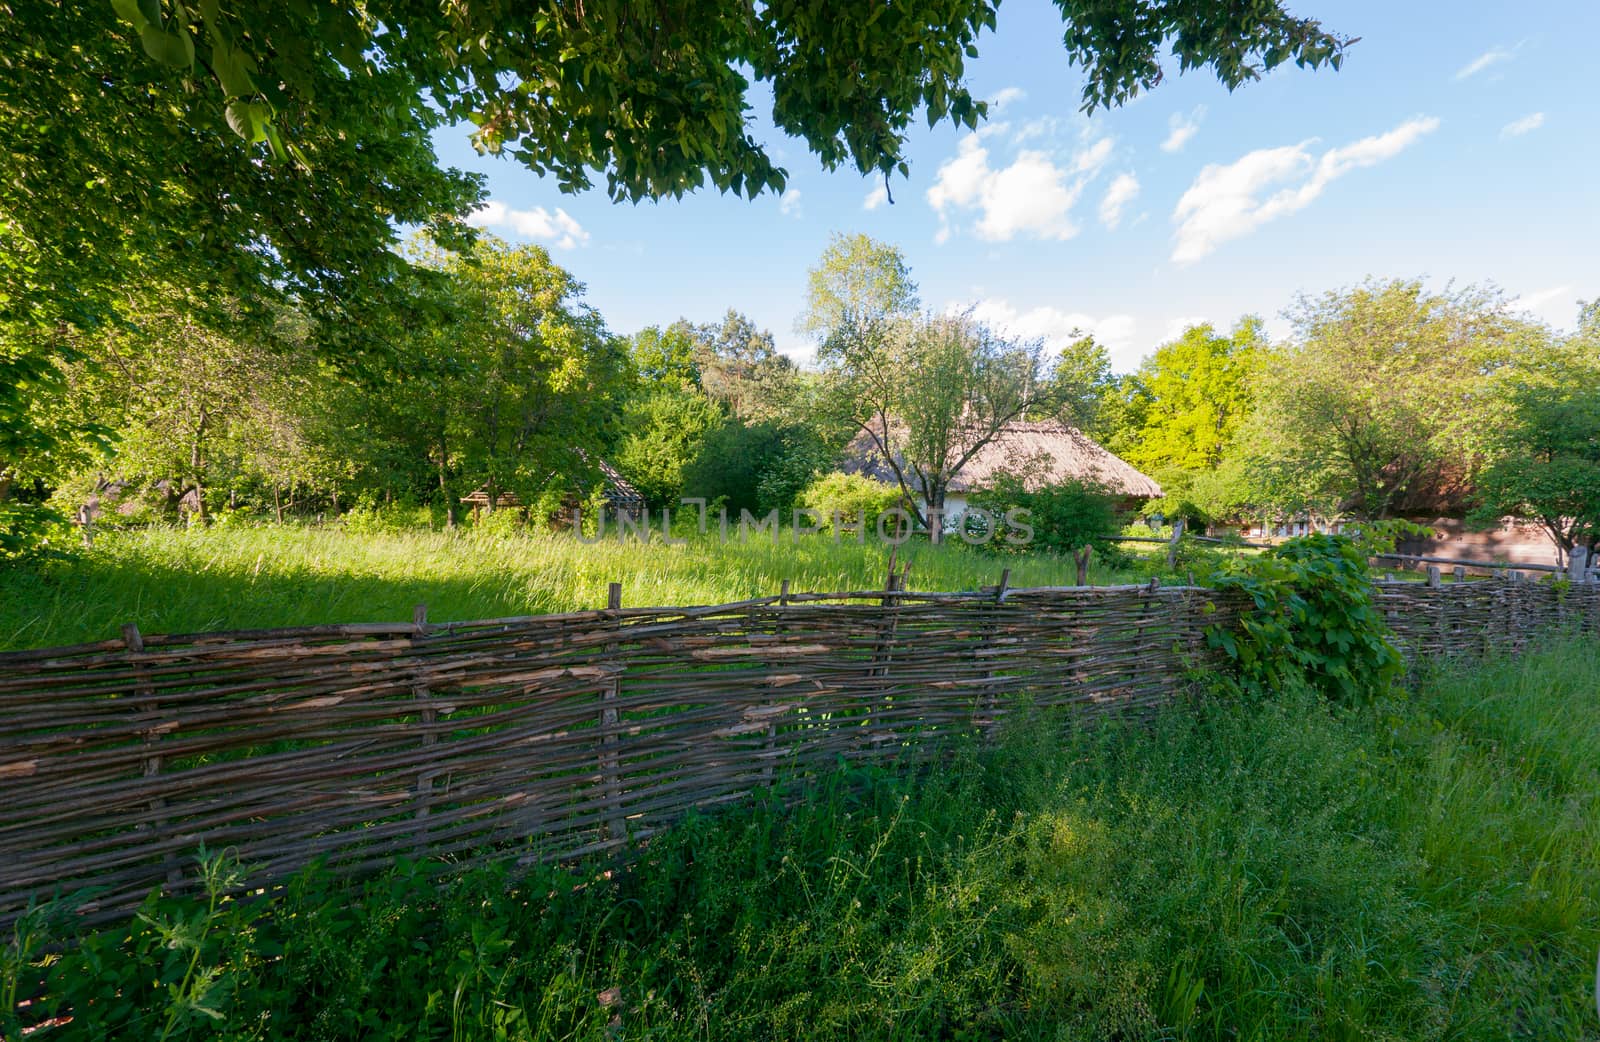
177, 580
1423, 867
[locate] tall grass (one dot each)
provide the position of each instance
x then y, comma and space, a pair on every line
1424, 868
176, 580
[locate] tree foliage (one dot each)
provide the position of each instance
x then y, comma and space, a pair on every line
513, 385
1074, 518
657, 97
1547, 469
925, 392
1190, 397
1080, 384
1384, 402
262, 155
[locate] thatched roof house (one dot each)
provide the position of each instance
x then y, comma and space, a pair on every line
1041, 453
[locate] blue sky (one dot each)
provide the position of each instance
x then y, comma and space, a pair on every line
1457, 143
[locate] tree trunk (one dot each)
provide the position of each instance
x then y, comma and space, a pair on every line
277, 502
1081, 559
444, 490
935, 519
195, 465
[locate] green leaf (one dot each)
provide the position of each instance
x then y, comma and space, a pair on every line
128, 11
175, 49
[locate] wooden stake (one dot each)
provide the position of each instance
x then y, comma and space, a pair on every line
1578, 563
134, 640
429, 716
610, 761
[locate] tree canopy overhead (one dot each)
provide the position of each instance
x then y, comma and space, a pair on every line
656, 95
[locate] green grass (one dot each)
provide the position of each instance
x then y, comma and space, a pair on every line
1427, 867
182, 581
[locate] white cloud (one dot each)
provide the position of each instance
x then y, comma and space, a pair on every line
1006, 96
1032, 195
1091, 159
1176, 327
1122, 192
1181, 128
789, 203
1042, 127
1519, 127
558, 229
1224, 201
877, 197
1493, 56
1555, 305
1058, 328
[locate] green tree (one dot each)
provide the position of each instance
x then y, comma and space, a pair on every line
1546, 467
1385, 401
1589, 320
268, 152
1194, 393
758, 466
857, 292
190, 406
930, 393
666, 356
740, 367
1080, 383
658, 99
664, 432
925, 393
524, 381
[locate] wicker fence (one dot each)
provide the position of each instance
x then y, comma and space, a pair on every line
550, 737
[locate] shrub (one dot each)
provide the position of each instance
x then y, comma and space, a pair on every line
856, 498
497, 524
1310, 615
1066, 516
371, 517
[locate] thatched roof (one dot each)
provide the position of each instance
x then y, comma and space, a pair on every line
1042, 453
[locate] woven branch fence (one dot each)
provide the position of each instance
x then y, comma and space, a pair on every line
550, 737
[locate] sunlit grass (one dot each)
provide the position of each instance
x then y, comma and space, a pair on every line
177, 581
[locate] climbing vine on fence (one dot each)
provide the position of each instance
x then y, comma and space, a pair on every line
1311, 616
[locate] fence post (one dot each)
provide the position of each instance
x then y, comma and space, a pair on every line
1459, 573
1578, 563
1172, 545
883, 650
991, 697
1440, 623
770, 746
429, 715
610, 760
134, 641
